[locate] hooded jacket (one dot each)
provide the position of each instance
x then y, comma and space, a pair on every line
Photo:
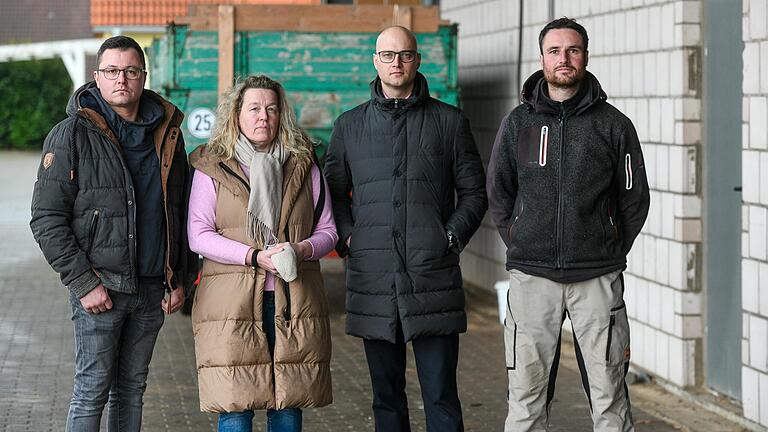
414, 173
567, 184
137, 143
84, 204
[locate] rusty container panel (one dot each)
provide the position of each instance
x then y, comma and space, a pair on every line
324, 74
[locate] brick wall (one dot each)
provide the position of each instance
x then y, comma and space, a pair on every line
640, 50
755, 211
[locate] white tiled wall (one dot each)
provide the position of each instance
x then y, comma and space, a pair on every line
754, 271
639, 50
488, 41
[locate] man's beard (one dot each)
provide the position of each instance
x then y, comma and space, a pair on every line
564, 82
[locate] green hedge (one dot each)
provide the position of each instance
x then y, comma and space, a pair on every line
33, 98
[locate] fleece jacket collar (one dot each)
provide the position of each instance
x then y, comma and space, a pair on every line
535, 94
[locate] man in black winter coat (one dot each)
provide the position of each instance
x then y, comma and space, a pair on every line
109, 213
417, 197
568, 193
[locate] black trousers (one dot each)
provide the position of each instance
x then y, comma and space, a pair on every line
436, 361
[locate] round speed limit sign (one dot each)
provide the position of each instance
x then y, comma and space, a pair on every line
200, 122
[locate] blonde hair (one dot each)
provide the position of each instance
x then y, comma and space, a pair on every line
226, 128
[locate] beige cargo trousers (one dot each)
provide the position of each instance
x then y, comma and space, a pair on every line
536, 309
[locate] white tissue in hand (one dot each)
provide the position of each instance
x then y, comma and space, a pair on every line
285, 263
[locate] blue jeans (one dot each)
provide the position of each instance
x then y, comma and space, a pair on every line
284, 420
112, 354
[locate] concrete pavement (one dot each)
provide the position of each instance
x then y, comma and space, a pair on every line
36, 354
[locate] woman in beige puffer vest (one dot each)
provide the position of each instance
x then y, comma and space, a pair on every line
260, 342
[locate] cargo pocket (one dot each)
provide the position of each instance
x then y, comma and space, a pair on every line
617, 351
510, 339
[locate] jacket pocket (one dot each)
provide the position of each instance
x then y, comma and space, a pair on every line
533, 146
92, 230
612, 222
598, 231
449, 251
617, 351
518, 212
611, 236
543, 145
351, 245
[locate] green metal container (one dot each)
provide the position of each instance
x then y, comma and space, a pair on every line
324, 74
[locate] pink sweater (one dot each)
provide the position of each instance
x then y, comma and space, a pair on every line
206, 241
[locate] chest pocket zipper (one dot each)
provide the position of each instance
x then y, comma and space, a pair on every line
543, 144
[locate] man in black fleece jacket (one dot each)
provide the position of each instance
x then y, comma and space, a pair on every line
568, 192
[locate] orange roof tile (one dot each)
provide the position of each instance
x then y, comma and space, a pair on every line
158, 12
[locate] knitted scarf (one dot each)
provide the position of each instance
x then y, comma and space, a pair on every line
266, 181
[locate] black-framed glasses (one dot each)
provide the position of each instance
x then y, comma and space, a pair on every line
130, 72
405, 56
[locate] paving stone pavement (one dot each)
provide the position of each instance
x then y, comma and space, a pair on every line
36, 351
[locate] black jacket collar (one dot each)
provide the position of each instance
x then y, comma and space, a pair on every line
419, 94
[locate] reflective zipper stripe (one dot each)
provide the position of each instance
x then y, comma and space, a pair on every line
628, 171
543, 141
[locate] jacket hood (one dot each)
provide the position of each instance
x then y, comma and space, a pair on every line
130, 134
419, 94
75, 102
536, 96
150, 111
92, 118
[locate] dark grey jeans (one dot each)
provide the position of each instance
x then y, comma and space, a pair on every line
112, 354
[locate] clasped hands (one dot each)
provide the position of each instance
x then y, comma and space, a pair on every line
264, 257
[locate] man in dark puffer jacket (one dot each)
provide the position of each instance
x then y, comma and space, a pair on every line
109, 213
406, 158
568, 193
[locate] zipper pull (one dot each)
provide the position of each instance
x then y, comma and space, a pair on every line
396, 102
